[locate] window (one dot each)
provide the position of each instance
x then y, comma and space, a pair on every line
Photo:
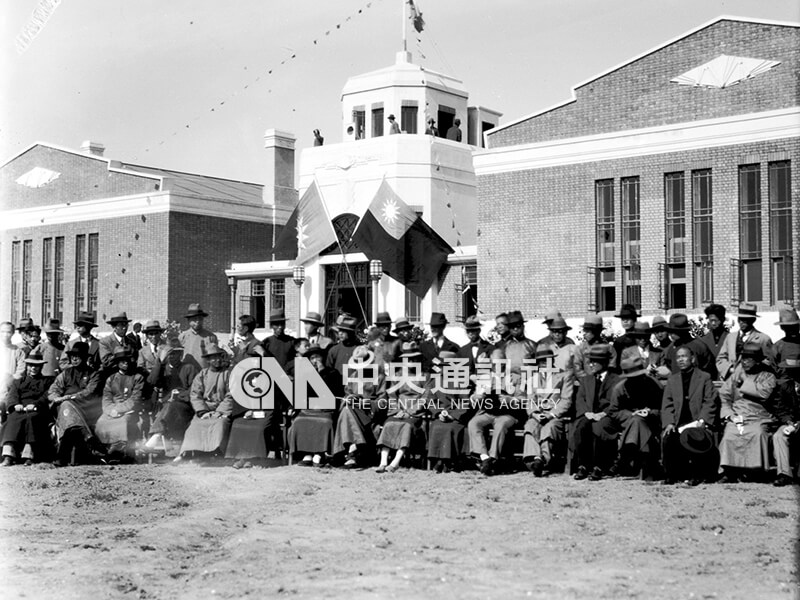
408, 119
780, 231
675, 197
80, 273
631, 236
377, 122
467, 293
58, 287
703, 242
27, 267
413, 307
16, 280
47, 278
359, 121
750, 233
94, 251
277, 294
87, 252
606, 276
445, 117
256, 305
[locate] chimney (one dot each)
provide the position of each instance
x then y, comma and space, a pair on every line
279, 191
94, 148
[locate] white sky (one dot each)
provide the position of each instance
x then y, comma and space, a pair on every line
133, 73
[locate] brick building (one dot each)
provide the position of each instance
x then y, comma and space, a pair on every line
83, 232
665, 182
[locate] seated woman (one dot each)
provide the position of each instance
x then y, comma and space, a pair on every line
361, 412
747, 408
76, 395
212, 403
448, 443
173, 381
402, 427
312, 431
26, 433
118, 426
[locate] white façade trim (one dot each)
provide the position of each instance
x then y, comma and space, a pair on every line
711, 133
134, 205
661, 46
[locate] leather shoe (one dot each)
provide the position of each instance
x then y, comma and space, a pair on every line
486, 466
581, 473
728, 478
782, 480
7, 461
596, 474
537, 468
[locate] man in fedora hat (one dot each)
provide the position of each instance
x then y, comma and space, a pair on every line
150, 354
12, 359
476, 347
313, 324
789, 344
279, 345
717, 334
393, 126
500, 334
785, 439
549, 316
748, 409
594, 437
430, 348
27, 331
51, 347
135, 336
196, 338
404, 330
116, 339
26, 433
339, 354
592, 335
680, 334
390, 345
118, 426
76, 395
245, 344
635, 408
627, 317
730, 354
562, 346
518, 349
84, 323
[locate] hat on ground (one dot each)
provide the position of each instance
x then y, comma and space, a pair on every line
212, 350
383, 318
717, 310
26, 325
515, 318
277, 316
152, 326
409, 350
472, 323
85, 318
53, 326
315, 349
558, 323
313, 318
195, 310
346, 324
123, 353
119, 318
79, 348
753, 350
438, 320
678, 323
632, 366
35, 358
788, 316
747, 311
659, 324
600, 353
544, 353
550, 315
640, 329
628, 311
696, 440
402, 324
592, 321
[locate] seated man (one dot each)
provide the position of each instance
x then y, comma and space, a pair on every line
748, 411
118, 426
594, 435
689, 410
26, 433
789, 414
76, 395
547, 411
212, 403
635, 408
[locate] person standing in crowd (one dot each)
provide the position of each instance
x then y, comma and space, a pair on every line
26, 433
51, 348
247, 345
431, 129
716, 336
339, 354
212, 403
279, 345
789, 344
748, 409
438, 342
12, 359
136, 337
594, 436
313, 325
390, 345
116, 339
627, 317
680, 332
730, 353
454, 133
27, 331
83, 327
641, 333
785, 439
689, 413
501, 330
563, 348
517, 348
549, 317
76, 395
118, 426
635, 408
196, 339
476, 347
393, 126
150, 354
592, 335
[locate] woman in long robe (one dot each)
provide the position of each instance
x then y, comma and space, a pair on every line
118, 426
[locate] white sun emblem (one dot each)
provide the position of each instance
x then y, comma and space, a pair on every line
301, 234
390, 211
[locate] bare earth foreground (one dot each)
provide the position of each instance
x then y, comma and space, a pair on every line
164, 531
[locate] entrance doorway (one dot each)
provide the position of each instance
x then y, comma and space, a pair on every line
341, 295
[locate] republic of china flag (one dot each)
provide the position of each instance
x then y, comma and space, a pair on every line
308, 230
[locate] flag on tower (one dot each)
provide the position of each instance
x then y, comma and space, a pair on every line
416, 16
308, 230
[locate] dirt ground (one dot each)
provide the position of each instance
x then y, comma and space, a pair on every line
190, 531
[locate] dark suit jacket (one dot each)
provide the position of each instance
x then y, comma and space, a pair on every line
134, 340
94, 353
465, 351
703, 399
586, 401
430, 351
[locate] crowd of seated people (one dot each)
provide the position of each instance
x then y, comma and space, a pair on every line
657, 402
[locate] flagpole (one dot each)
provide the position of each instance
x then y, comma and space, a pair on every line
405, 19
